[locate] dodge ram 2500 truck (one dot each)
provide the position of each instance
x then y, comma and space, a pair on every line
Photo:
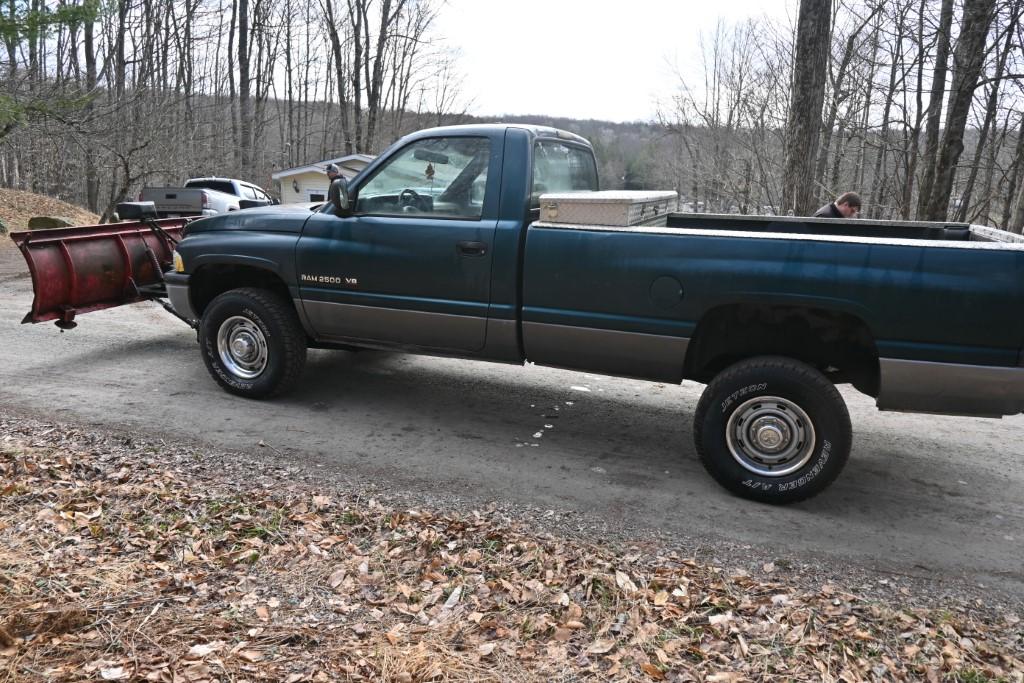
437, 247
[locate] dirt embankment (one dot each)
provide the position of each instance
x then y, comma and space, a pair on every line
17, 206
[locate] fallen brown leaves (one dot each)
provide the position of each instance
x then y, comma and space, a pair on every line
17, 206
137, 568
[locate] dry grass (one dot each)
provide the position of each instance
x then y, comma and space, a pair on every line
17, 206
125, 564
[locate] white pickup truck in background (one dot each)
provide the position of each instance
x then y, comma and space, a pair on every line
203, 197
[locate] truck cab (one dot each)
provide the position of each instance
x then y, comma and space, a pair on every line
428, 255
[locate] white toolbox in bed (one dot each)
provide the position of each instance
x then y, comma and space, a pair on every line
611, 207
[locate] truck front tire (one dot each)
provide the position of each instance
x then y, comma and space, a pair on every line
772, 429
252, 342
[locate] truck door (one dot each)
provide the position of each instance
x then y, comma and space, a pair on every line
412, 266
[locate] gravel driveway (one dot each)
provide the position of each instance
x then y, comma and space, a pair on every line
934, 498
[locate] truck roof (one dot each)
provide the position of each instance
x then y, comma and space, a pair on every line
490, 128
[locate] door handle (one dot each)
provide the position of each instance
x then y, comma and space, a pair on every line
471, 248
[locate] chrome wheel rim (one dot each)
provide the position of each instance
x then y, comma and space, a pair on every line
770, 436
242, 347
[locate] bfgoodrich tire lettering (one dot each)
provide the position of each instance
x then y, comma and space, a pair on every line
270, 349
772, 429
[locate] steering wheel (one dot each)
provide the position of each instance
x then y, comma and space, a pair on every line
409, 200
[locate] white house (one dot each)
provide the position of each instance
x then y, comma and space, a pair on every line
309, 183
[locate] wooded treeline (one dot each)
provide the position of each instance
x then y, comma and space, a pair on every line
921, 112
920, 108
100, 97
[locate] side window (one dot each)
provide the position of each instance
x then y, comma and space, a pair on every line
247, 192
558, 167
438, 177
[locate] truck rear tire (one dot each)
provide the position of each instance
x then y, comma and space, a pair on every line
252, 342
772, 429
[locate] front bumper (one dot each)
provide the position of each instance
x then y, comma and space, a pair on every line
177, 294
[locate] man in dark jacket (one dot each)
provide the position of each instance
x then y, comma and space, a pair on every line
846, 206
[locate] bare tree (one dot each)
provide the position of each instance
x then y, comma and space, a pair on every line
991, 109
967, 61
841, 91
931, 135
804, 125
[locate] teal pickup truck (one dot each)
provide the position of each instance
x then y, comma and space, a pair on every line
437, 247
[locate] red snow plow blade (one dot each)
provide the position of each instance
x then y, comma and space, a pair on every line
88, 268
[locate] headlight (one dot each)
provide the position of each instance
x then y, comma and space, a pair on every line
179, 264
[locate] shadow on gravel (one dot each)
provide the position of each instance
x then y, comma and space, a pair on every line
119, 352
621, 436
463, 425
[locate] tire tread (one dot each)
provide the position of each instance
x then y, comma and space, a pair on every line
798, 370
283, 316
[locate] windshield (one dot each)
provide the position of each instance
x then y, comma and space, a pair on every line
443, 177
225, 186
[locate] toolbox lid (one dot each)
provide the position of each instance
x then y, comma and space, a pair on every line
609, 196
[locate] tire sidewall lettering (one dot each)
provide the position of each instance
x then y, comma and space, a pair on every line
255, 317
819, 464
226, 377
741, 393
247, 311
819, 467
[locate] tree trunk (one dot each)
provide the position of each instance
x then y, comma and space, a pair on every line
119, 45
1016, 175
92, 181
357, 19
880, 175
839, 94
1017, 219
804, 124
865, 116
232, 90
915, 132
931, 130
967, 62
991, 107
245, 123
983, 214
341, 74
11, 41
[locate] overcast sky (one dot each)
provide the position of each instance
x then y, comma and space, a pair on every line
580, 59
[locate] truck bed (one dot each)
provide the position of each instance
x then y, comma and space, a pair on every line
924, 291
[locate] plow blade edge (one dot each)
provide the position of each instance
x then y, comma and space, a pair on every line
88, 268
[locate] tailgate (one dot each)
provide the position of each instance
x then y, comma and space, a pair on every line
175, 200
88, 268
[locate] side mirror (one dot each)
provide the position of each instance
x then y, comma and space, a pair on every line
136, 211
340, 197
253, 203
